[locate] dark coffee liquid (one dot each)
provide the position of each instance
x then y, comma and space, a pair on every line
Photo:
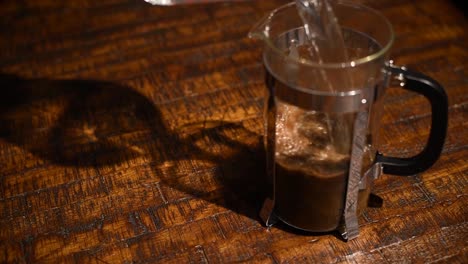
307, 201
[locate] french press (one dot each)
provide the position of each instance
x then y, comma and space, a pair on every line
322, 144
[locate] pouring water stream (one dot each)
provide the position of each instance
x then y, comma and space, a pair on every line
325, 44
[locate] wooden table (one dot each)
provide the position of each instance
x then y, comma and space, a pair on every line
132, 133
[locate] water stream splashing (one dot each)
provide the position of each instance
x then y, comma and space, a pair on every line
324, 34
325, 44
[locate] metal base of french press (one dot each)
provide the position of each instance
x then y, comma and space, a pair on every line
347, 232
349, 227
267, 213
268, 216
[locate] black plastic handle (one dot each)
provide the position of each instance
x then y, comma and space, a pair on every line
437, 97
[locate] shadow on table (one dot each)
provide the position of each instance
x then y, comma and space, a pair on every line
89, 123
461, 5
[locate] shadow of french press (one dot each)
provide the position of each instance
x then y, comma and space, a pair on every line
89, 123
73, 122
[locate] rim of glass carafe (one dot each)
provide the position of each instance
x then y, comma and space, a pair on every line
334, 65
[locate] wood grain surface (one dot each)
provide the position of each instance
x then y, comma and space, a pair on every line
131, 133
